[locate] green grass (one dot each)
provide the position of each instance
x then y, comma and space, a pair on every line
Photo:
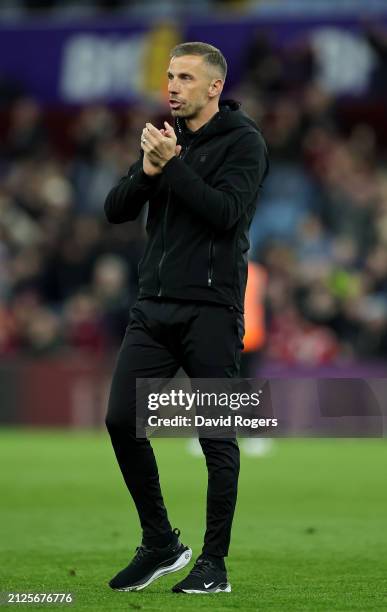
310, 531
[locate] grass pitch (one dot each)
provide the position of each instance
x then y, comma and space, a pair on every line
310, 531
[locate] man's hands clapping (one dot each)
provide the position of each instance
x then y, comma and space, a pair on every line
159, 147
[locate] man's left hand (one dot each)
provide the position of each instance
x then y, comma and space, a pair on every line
159, 146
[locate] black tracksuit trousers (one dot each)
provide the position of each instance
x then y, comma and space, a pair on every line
163, 335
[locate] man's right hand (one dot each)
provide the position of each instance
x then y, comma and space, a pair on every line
148, 166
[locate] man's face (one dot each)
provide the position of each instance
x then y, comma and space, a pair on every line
189, 81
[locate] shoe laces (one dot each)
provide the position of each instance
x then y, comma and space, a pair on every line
200, 568
141, 552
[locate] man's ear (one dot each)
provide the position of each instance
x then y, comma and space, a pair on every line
215, 88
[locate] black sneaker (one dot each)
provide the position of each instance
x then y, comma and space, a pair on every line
151, 563
204, 577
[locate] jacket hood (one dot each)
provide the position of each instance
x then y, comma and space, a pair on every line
233, 116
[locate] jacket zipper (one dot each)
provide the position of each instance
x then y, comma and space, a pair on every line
164, 241
211, 249
183, 153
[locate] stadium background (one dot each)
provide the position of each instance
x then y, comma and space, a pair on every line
77, 83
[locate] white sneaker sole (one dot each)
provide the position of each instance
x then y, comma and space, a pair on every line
181, 562
209, 592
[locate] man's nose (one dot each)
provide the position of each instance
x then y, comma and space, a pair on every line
173, 86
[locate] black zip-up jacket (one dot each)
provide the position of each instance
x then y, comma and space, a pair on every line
200, 210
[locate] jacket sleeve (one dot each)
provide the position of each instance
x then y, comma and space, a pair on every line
236, 184
125, 200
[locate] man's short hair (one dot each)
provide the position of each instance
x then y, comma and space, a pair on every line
212, 56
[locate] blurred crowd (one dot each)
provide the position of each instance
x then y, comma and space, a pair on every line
321, 225
68, 278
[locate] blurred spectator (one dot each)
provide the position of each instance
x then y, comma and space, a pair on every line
111, 287
83, 325
42, 333
26, 136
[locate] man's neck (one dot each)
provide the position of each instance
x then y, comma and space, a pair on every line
196, 123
